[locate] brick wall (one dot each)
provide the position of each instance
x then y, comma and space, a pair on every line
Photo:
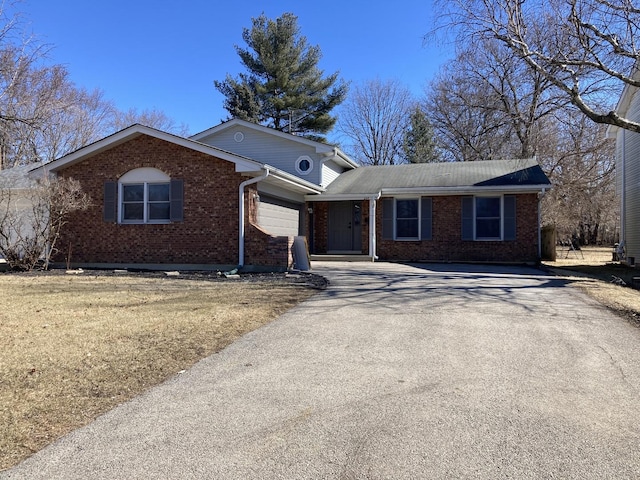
207, 236
447, 246
320, 223
261, 248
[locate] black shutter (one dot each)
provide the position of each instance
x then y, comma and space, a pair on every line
177, 205
467, 218
425, 220
387, 218
110, 206
509, 217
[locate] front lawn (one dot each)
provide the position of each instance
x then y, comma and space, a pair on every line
74, 346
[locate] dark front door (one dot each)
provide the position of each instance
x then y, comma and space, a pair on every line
345, 227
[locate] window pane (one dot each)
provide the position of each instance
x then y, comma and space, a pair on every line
487, 207
407, 228
133, 193
133, 211
488, 228
407, 208
159, 192
159, 211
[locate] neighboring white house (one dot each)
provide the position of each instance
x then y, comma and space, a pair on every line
16, 201
628, 176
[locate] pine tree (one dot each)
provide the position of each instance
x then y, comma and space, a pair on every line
419, 141
283, 87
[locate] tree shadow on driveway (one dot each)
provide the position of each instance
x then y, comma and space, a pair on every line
417, 286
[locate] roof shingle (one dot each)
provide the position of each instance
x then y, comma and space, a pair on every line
499, 173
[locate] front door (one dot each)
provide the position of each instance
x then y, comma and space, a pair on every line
345, 227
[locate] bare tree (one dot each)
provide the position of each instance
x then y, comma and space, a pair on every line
31, 221
43, 114
151, 118
587, 49
579, 161
486, 104
375, 118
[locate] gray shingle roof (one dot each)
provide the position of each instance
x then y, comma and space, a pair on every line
499, 173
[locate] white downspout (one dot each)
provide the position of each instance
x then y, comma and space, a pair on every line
372, 227
623, 192
241, 214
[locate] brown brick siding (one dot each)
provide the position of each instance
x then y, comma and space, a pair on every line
446, 244
207, 236
262, 249
320, 223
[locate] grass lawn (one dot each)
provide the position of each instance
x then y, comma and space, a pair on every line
74, 346
593, 271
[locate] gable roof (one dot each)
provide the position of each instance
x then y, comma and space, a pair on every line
521, 175
321, 148
243, 164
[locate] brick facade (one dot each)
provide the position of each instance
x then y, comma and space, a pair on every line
446, 244
207, 236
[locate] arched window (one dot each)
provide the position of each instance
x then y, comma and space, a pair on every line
144, 195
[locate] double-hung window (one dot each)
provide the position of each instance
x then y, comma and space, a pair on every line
143, 195
406, 218
489, 218
145, 202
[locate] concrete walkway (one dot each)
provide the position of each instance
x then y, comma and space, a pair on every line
394, 372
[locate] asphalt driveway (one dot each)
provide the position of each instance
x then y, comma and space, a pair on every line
393, 372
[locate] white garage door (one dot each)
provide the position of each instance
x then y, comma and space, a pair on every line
279, 217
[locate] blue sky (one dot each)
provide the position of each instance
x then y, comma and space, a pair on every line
166, 54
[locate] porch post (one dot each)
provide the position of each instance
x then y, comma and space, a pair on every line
372, 227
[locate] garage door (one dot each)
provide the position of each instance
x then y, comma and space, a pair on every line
279, 217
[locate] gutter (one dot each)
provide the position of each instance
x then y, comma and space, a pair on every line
465, 190
430, 192
241, 235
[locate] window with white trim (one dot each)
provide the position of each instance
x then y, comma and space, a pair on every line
145, 196
304, 165
489, 218
406, 218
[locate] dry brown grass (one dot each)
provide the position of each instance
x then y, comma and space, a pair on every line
73, 347
594, 272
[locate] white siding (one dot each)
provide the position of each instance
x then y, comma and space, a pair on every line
272, 150
631, 142
330, 171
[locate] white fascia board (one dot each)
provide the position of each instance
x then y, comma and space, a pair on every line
341, 197
242, 164
320, 147
468, 190
293, 180
339, 157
